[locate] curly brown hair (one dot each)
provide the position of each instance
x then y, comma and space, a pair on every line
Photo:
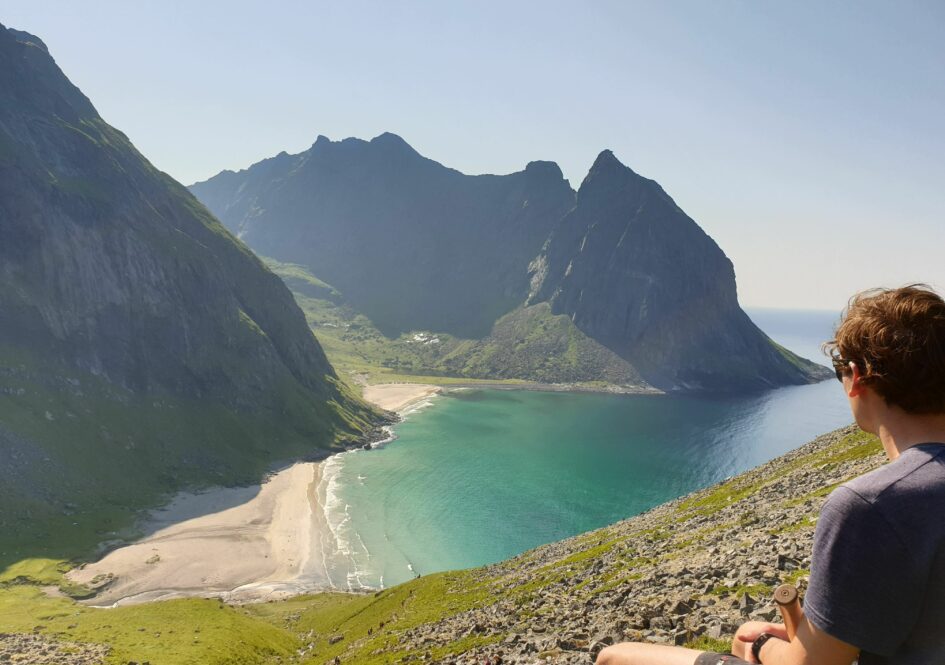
896, 337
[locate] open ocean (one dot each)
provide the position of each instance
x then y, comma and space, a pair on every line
478, 476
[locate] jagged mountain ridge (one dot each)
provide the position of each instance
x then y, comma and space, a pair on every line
394, 233
133, 326
407, 240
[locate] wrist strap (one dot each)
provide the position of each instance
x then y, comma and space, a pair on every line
758, 643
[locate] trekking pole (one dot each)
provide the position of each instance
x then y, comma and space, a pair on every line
789, 604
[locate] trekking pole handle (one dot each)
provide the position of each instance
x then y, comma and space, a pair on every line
788, 600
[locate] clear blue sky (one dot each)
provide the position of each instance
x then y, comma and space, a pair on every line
807, 138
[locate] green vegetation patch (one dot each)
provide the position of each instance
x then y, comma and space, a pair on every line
757, 590
724, 495
367, 628
526, 344
706, 643
855, 446
174, 632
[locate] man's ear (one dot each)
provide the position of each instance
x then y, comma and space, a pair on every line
857, 386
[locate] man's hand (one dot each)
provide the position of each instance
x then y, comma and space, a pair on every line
811, 646
751, 631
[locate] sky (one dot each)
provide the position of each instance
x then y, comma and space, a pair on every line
807, 138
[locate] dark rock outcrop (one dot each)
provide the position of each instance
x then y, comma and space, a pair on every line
637, 274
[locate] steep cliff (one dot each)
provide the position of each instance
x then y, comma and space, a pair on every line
142, 347
636, 273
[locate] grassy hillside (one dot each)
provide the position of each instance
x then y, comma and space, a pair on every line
527, 344
60, 502
686, 572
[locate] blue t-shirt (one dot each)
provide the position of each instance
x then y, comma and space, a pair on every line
878, 566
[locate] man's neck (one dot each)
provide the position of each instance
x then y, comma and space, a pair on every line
900, 431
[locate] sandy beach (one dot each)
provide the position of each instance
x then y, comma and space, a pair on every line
399, 396
241, 544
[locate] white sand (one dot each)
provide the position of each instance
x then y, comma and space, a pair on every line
240, 544
398, 396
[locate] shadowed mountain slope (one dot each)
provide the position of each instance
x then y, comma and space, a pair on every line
411, 243
142, 347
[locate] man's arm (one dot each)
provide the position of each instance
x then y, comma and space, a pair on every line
811, 646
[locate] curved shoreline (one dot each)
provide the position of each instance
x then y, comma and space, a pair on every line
399, 397
241, 544
249, 544
254, 550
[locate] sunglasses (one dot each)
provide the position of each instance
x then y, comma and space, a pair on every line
841, 366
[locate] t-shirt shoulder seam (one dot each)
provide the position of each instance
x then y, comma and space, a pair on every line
879, 513
894, 481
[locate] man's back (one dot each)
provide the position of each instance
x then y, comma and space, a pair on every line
878, 568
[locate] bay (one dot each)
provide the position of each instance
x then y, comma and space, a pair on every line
482, 475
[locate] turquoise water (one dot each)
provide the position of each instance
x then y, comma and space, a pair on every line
479, 476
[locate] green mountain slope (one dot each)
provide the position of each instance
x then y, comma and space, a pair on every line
527, 344
142, 347
686, 572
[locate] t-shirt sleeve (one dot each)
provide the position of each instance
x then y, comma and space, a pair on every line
864, 588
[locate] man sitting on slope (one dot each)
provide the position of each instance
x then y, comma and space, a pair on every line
877, 583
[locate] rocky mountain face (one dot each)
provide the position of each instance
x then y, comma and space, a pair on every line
636, 273
412, 244
133, 326
415, 246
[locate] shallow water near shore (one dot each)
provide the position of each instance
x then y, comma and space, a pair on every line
483, 475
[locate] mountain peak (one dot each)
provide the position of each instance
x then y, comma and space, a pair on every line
541, 167
24, 58
607, 174
383, 143
607, 161
389, 138
392, 143
24, 37
606, 155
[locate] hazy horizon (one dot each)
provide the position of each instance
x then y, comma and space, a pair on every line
805, 139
